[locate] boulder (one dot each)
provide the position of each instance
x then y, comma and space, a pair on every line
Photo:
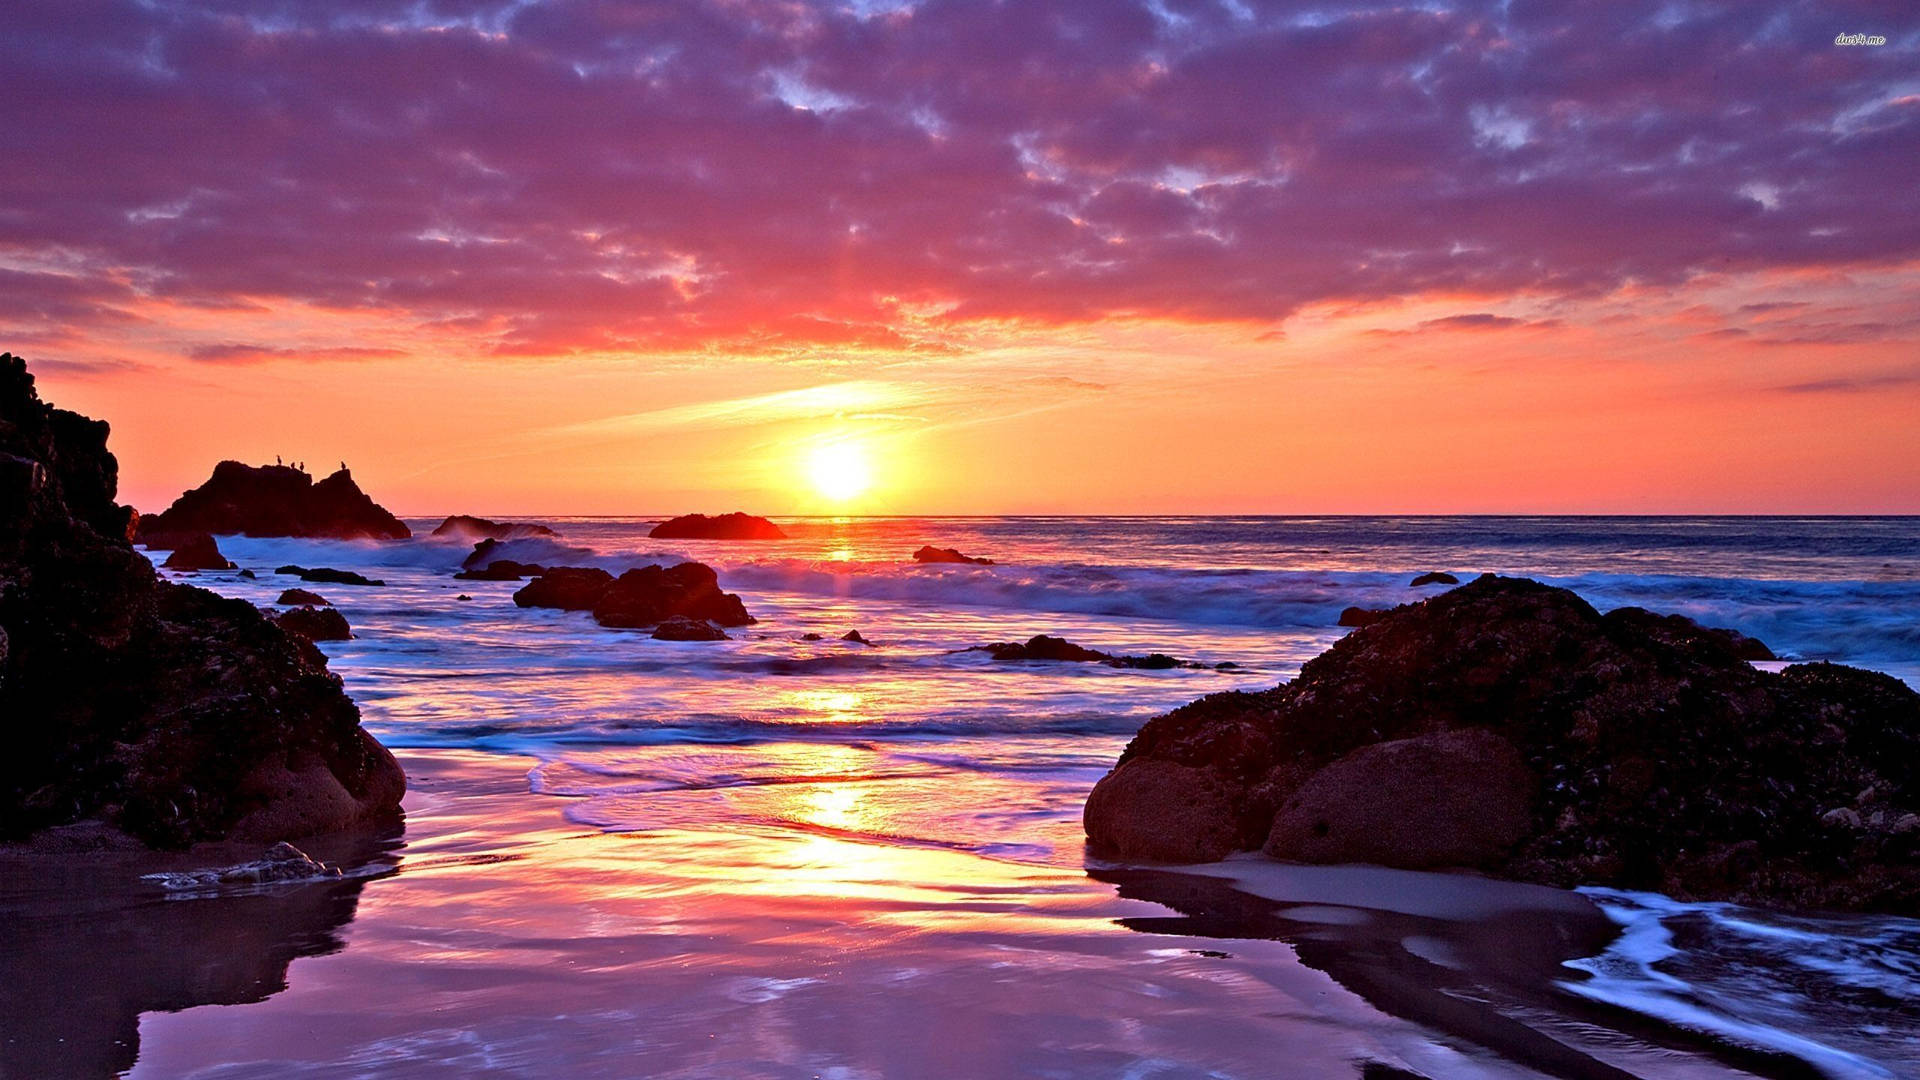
248, 574
650, 595
502, 570
466, 526
855, 637
682, 628
931, 554
315, 624
328, 575
197, 552
1651, 753
1060, 650
1434, 577
569, 588
276, 500
302, 598
154, 711
734, 526
1359, 616
1164, 811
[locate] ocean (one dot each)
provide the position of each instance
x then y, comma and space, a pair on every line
776, 856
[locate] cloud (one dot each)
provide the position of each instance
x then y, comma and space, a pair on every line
236, 353
1855, 384
583, 175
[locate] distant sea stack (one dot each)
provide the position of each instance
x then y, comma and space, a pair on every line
930, 554
734, 526
1507, 726
468, 527
274, 500
137, 709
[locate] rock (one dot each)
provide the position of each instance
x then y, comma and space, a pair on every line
248, 574
681, 628
1682, 632
463, 596
569, 588
302, 598
315, 624
143, 707
197, 552
1845, 817
1452, 798
328, 575
855, 637
653, 594
1166, 812
1359, 616
1435, 577
931, 554
810, 636
276, 500
1656, 757
734, 526
469, 527
502, 570
1045, 647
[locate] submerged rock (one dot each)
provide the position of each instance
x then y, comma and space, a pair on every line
145, 707
466, 525
855, 637
682, 628
653, 594
302, 598
569, 588
502, 570
1060, 650
931, 554
1434, 577
315, 624
1625, 750
328, 575
276, 500
197, 552
734, 526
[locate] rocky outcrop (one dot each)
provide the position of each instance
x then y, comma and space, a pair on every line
1359, 616
141, 708
468, 527
302, 598
931, 554
196, 552
569, 588
855, 637
1434, 577
734, 526
1507, 725
681, 628
653, 594
1060, 650
276, 500
327, 575
502, 570
315, 624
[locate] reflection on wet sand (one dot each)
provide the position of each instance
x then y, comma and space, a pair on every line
89, 946
1475, 959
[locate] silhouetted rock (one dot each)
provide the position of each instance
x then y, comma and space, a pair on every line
327, 575
470, 527
1680, 631
463, 596
855, 637
681, 628
302, 598
1435, 577
810, 636
1654, 757
315, 624
1359, 616
1060, 650
653, 594
197, 552
148, 708
502, 570
276, 500
569, 588
248, 574
931, 554
734, 526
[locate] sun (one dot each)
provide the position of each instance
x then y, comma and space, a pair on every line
839, 470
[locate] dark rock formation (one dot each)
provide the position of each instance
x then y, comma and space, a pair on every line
1060, 650
197, 552
654, 594
1359, 616
682, 628
248, 574
1655, 757
734, 526
502, 570
810, 636
1435, 577
315, 624
468, 526
931, 554
463, 596
142, 707
326, 575
276, 500
856, 637
1682, 632
569, 588
302, 598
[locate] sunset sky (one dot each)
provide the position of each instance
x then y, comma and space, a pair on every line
577, 256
